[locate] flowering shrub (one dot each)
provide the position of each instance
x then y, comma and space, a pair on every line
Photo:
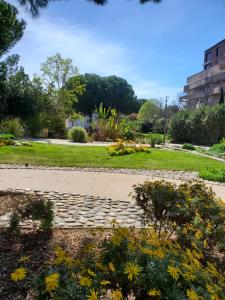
190, 211
122, 148
131, 264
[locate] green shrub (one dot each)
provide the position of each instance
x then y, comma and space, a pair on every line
36, 210
12, 126
218, 148
155, 139
191, 211
37, 124
188, 147
7, 136
78, 134
7, 139
201, 126
213, 174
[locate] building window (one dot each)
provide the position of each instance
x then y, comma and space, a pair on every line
217, 51
208, 66
208, 57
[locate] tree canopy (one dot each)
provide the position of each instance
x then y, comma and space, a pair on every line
11, 29
150, 111
111, 91
34, 6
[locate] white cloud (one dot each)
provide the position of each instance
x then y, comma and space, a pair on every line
92, 53
89, 52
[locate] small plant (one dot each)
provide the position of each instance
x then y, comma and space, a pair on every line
122, 148
35, 210
218, 148
7, 136
213, 174
78, 134
155, 139
188, 147
12, 126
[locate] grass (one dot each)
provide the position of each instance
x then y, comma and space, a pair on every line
81, 156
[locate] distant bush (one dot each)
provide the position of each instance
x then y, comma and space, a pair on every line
188, 147
155, 139
219, 148
201, 126
213, 174
78, 134
12, 126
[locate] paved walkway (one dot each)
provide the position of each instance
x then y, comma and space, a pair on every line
88, 197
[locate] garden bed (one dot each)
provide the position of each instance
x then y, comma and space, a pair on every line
39, 248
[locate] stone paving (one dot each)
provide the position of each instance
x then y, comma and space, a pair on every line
78, 210
74, 210
177, 175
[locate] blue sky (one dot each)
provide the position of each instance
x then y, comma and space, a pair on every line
154, 47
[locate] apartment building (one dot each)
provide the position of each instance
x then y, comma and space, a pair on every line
207, 86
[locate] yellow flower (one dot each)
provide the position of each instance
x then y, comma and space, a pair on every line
198, 235
60, 255
105, 282
205, 244
93, 295
116, 295
116, 239
189, 276
24, 259
198, 254
19, 274
52, 282
214, 297
154, 292
111, 267
132, 270
85, 281
192, 295
174, 272
91, 273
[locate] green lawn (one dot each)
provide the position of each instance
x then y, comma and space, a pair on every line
81, 156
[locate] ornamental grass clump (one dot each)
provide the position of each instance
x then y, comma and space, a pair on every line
124, 148
77, 134
130, 264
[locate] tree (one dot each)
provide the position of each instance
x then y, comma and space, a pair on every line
57, 70
34, 6
11, 29
16, 97
111, 91
150, 111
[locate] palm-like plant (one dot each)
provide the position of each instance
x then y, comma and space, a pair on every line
34, 6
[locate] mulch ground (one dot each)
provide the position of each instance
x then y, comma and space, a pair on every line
39, 247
